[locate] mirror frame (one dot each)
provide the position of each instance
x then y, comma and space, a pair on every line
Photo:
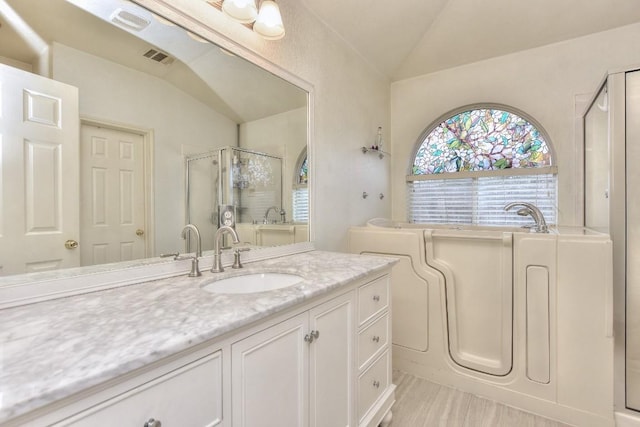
28, 288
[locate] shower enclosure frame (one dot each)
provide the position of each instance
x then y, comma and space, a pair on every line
615, 84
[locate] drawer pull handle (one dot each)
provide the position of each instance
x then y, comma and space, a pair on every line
376, 298
376, 338
152, 423
311, 336
376, 384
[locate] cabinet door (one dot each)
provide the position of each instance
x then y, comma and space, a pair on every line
189, 396
270, 376
331, 367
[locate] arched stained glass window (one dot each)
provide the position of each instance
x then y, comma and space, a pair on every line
300, 189
303, 172
473, 162
479, 140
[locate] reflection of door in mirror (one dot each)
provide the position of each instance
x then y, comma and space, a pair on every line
39, 165
112, 195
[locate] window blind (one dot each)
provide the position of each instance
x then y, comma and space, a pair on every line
480, 200
301, 204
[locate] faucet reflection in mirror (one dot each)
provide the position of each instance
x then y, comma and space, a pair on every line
195, 269
217, 249
266, 21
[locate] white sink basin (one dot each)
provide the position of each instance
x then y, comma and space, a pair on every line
255, 282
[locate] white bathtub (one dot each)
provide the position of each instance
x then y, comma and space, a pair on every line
523, 318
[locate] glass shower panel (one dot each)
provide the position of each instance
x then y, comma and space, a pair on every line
202, 197
261, 188
252, 182
633, 241
596, 164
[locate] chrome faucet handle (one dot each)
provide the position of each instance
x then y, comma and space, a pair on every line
236, 257
175, 255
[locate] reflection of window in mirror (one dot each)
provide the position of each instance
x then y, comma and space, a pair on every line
300, 189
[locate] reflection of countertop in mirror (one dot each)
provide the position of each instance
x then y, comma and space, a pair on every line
53, 349
273, 234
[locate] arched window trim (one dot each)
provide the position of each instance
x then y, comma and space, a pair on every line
510, 171
445, 199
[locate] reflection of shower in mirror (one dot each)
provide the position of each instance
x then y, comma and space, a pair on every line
253, 183
202, 195
250, 181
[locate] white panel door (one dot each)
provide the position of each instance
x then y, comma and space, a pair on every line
38, 172
112, 195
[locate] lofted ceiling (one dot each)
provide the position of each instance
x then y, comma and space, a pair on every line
226, 83
407, 38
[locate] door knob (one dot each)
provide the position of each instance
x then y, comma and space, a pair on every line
139, 232
70, 244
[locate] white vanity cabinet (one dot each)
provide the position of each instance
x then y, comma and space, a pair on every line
296, 373
190, 395
375, 391
323, 363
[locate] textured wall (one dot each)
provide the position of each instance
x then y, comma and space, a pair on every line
548, 83
350, 100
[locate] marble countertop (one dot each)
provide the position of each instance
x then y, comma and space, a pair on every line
53, 349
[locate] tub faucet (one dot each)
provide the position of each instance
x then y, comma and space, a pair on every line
529, 209
195, 270
217, 251
282, 213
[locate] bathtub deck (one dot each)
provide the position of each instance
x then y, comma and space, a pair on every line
421, 403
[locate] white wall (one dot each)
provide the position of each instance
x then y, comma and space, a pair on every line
16, 64
114, 93
543, 82
350, 101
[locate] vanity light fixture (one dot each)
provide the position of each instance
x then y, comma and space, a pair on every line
269, 22
265, 20
243, 11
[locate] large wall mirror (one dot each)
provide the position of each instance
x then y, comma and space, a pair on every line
119, 127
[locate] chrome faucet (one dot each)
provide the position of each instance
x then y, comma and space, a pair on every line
217, 251
195, 269
265, 220
529, 209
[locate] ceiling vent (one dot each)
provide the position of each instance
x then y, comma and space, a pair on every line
128, 20
158, 56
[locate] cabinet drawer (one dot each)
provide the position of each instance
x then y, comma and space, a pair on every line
372, 339
372, 383
188, 396
373, 298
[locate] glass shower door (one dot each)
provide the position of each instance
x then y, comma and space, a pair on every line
633, 241
597, 163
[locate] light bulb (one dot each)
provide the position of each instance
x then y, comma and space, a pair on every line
269, 22
244, 11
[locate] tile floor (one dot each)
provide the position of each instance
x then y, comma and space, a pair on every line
420, 403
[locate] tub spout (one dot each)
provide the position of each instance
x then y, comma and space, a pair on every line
529, 209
